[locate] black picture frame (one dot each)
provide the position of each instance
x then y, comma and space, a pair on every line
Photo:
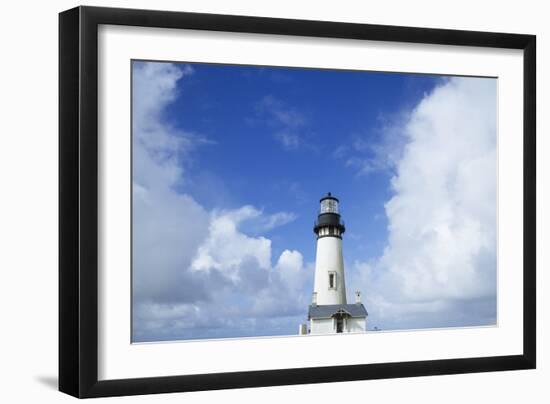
78, 201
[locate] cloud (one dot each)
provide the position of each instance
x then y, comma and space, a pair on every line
278, 219
287, 123
161, 245
383, 149
196, 273
247, 263
289, 140
247, 294
281, 112
439, 266
232, 252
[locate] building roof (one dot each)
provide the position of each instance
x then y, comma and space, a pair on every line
329, 310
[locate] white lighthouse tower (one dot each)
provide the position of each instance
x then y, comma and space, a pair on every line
329, 312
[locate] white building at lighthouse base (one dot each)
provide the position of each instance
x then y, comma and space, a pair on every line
337, 318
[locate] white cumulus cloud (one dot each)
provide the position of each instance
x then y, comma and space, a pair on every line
439, 266
227, 249
196, 273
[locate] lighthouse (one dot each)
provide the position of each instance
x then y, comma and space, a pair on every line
329, 311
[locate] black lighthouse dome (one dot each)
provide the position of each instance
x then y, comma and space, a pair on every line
328, 221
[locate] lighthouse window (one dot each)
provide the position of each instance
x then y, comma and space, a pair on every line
332, 280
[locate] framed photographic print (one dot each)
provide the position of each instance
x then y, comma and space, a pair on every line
249, 201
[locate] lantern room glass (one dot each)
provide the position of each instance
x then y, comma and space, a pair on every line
329, 206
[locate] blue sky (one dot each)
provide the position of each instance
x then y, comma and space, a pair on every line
228, 156
235, 108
